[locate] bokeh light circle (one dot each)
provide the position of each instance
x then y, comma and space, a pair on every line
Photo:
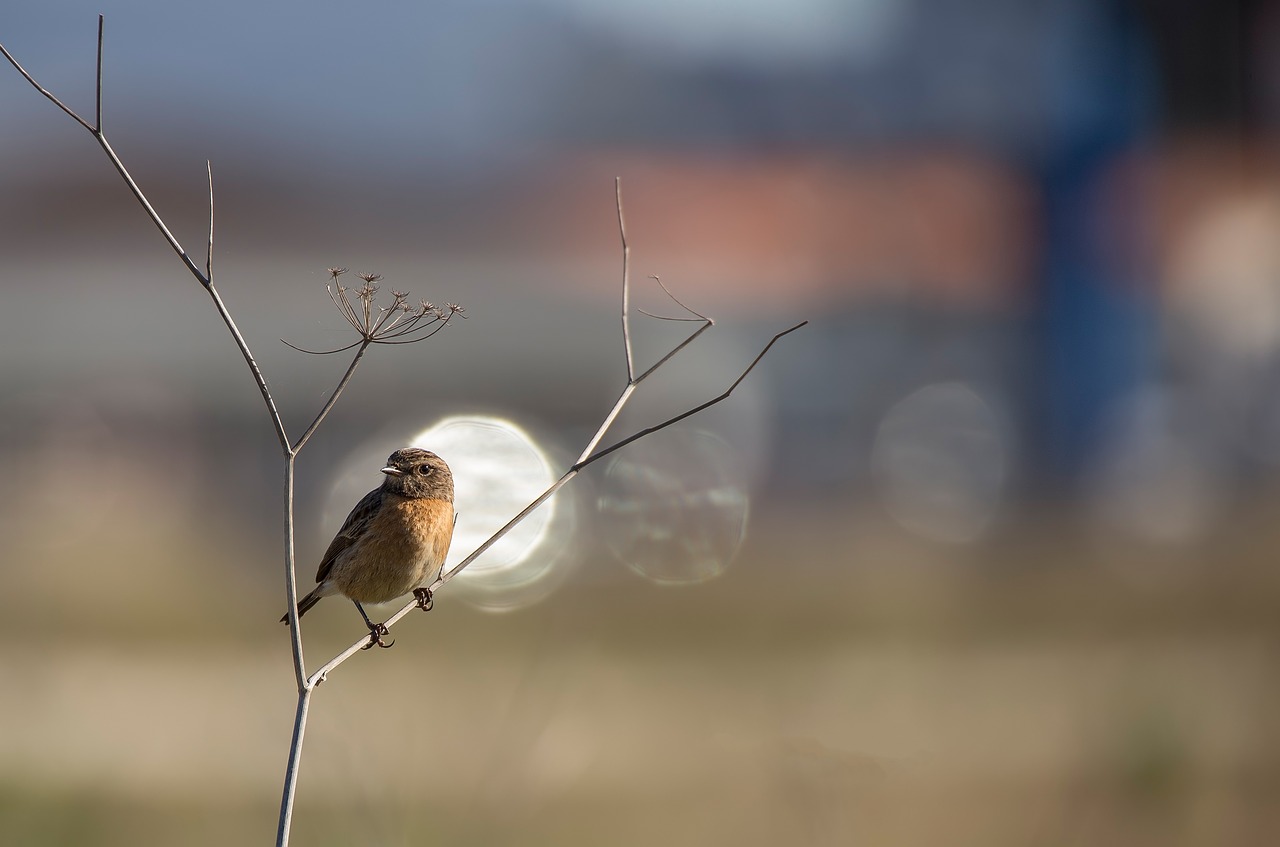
498, 469
941, 461
673, 507
1156, 477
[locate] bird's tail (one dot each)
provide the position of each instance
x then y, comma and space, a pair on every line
304, 604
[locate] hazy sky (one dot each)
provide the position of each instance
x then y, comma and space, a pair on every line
459, 77
768, 30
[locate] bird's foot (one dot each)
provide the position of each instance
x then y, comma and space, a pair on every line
376, 631
425, 600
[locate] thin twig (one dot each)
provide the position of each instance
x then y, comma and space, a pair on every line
608, 420
403, 325
333, 398
324, 670
587, 457
683, 344
49, 95
679, 302
203, 277
208, 261
97, 98
397, 324
668, 317
649, 430
277, 422
291, 772
174, 244
291, 577
626, 279
351, 346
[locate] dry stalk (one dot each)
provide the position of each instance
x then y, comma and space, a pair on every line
398, 323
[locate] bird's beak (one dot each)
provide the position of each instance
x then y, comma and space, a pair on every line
390, 471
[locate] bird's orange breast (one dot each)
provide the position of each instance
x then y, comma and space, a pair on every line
404, 546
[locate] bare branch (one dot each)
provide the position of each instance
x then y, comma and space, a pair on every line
322, 673
291, 773
48, 94
707, 323
683, 344
203, 277
650, 430
668, 317
333, 398
276, 421
626, 279
696, 315
291, 577
397, 324
97, 88
208, 260
587, 457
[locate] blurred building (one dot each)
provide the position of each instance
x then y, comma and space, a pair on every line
1055, 214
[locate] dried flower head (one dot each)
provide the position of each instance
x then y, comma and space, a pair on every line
396, 323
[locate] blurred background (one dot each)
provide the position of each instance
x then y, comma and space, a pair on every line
982, 556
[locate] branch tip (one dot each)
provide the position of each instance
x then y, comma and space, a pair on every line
97, 124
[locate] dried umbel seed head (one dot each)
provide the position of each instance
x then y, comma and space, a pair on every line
395, 323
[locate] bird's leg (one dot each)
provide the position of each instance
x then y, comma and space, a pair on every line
425, 601
376, 630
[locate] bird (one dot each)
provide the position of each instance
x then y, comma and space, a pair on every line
394, 541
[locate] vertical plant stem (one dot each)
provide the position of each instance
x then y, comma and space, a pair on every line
208, 261
299, 663
291, 576
306, 684
97, 99
291, 772
626, 281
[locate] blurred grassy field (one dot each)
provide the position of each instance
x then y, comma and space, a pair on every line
840, 684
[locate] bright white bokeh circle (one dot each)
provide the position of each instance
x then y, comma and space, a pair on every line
498, 469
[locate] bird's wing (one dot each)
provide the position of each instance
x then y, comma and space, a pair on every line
352, 528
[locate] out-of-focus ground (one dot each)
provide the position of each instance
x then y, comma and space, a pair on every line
841, 684
985, 555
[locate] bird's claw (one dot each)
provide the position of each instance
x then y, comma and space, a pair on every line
425, 600
376, 631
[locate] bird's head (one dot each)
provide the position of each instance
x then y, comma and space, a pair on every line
416, 473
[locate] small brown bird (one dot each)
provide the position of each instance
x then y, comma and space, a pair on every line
394, 540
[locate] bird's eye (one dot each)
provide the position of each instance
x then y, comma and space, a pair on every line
424, 469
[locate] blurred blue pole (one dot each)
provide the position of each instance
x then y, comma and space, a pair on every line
1098, 317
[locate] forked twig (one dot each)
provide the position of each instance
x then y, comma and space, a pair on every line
395, 324
205, 278
589, 455
388, 329
322, 673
